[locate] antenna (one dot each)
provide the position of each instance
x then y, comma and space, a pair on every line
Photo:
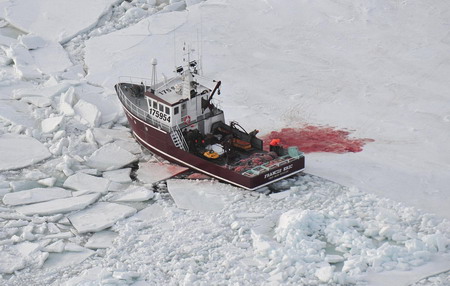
154, 76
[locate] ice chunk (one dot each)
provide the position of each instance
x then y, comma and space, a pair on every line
7, 41
19, 256
150, 212
64, 259
57, 246
88, 113
16, 112
325, 273
49, 182
35, 196
31, 41
24, 63
118, 176
150, 173
38, 101
50, 90
104, 136
84, 183
135, 194
130, 146
18, 151
51, 59
110, 157
102, 239
51, 124
58, 206
100, 216
204, 196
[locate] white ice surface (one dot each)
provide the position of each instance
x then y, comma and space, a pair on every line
203, 196
64, 259
35, 195
100, 216
18, 151
110, 157
56, 20
150, 173
134, 194
84, 183
102, 239
118, 176
365, 67
58, 206
151, 212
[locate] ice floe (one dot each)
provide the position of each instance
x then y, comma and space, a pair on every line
58, 206
134, 194
150, 173
204, 196
35, 196
110, 157
102, 239
84, 183
18, 151
52, 124
118, 176
100, 216
87, 113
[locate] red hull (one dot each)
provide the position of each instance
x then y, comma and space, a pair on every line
159, 141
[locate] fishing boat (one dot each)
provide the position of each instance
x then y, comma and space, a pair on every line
180, 120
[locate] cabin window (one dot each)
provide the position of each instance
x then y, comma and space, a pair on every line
183, 106
167, 110
176, 110
155, 105
161, 107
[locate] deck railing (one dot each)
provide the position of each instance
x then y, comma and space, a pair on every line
139, 112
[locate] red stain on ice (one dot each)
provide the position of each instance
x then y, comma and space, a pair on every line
198, 176
317, 139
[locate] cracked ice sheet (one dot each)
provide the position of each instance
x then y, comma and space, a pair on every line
19, 151
54, 19
67, 258
125, 52
58, 206
35, 195
110, 157
16, 112
203, 196
21, 255
150, 173
100, 216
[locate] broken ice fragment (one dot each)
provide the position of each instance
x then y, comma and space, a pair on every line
84, 183
150, 173
100, 216
110, 157
118, 176
58, 206
136, 194
18, 151
88, 113
51, 124
102, 239
35, 195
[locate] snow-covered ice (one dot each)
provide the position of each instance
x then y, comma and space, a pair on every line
110, 157
150, 173
84, 183
35, 196
134, 194
100, 216
204, 196
102, 239
18, 151
64, 205
118, 176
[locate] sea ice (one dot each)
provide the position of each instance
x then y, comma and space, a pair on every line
84, 183
100, 216
58, 206
151, 212
31, 41
50, 90
19, 151
64, 259
51, 124
134, 194
150, 173
118, 176
19, 256
88, 113
110, 157
204, 196
104, 136
24, 63
35, 196
102, 239
15, 112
